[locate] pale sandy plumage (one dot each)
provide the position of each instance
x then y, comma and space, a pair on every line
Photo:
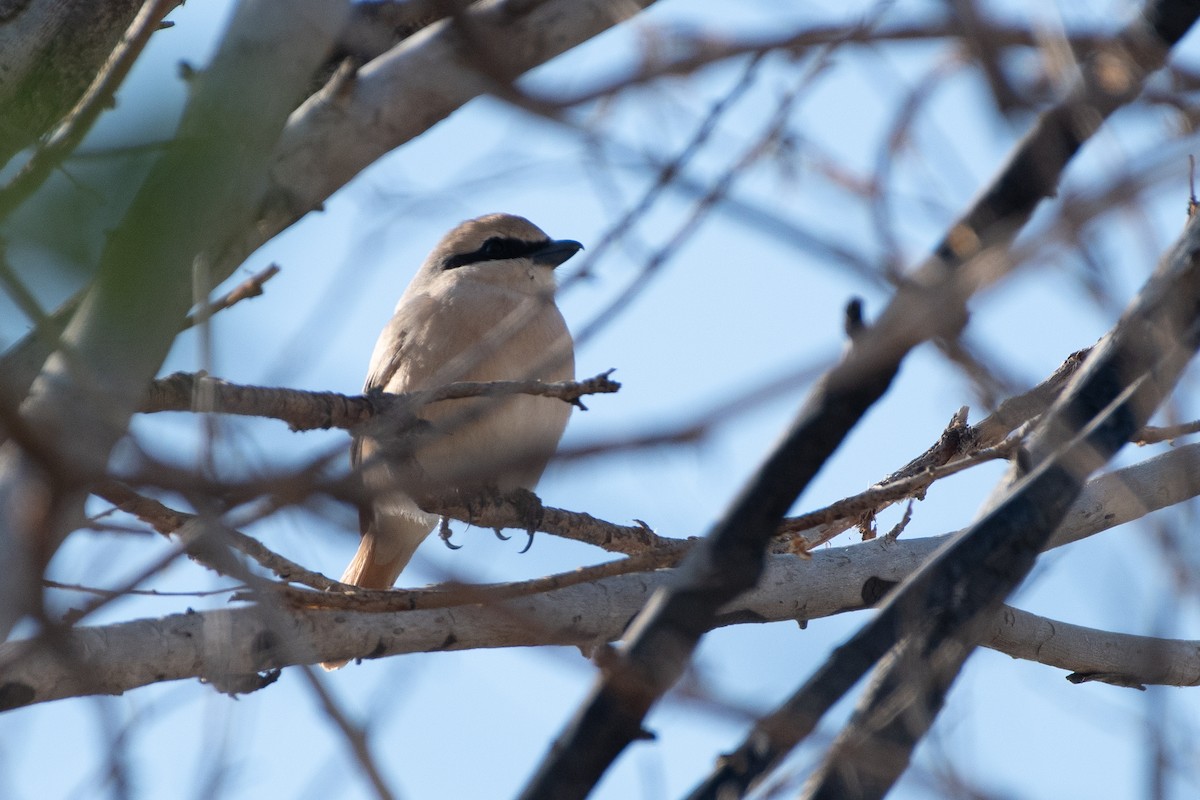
480, 308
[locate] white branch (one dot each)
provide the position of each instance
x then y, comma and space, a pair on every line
215, 645
346, 127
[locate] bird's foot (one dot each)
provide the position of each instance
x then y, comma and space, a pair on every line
530, 512
444, 533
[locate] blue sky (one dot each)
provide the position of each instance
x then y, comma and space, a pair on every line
733, 309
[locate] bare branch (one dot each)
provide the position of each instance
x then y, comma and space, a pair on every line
168, 521
1151, 434
355, 736
115, 658
306, 411
87, 391
690, 52
1091, 655
452, 595
959, 447
928, 306
251, 287
941, 611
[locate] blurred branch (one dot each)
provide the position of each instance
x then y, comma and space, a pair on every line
196, 193
168, 522
251, 287
355, 736
939, 613
689, 52
50, 52
718, 188
668, 172
114, 658
930, 305
980, 35
376, 26
358, 118
98, 98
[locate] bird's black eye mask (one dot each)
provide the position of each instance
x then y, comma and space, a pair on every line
497, 248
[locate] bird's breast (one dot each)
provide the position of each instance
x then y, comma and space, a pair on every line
505, 441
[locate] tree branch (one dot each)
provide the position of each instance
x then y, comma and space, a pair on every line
98, 97
112, 659
940, 612
196, 193
932, 304
50, 51
306, 411
251, 287
169, 522
351, 123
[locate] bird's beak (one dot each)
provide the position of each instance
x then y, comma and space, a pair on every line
555, 252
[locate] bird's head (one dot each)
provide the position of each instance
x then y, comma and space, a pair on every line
500, 249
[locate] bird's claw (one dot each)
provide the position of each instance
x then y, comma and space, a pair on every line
531, 511
528, 544
444, 533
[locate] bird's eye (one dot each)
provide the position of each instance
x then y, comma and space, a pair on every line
496, 248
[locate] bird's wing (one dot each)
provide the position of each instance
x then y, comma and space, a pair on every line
391, 350
396, 341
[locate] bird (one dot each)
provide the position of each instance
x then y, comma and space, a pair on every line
480, 308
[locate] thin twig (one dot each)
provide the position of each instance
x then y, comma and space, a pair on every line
448, 595
116, 593
251, 287
869, 501
356, 737
168, 521
1152, 434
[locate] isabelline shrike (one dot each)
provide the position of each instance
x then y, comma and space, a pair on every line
481, 308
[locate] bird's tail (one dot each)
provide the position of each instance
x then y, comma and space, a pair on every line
387, 546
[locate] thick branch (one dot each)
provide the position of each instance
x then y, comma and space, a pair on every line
938, 615
116, 658
344, 128
98, 97
211, 645
50, 51
196, 193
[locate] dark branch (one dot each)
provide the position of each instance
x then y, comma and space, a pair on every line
940, 611
932, 304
